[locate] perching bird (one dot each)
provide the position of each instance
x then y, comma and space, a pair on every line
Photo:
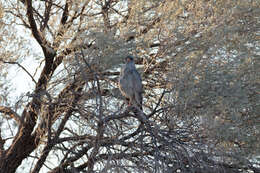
130, 83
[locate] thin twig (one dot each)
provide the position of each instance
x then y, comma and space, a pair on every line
98, 84
10, 62
11, 113
158, 103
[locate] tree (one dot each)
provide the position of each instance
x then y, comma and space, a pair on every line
200, 67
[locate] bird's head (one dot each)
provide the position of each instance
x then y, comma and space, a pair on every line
129, 58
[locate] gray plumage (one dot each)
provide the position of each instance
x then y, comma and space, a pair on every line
130, 83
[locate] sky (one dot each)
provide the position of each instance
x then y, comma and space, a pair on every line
21, 83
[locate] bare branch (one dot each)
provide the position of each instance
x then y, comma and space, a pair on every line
48, 5
32, 22
65, 13
12, 114
9, 62
77, 86
2, 142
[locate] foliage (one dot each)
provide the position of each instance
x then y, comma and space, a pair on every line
199, 62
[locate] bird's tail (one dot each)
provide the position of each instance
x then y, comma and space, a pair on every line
139, 100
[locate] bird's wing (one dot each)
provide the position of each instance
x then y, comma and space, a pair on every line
137, 81
137, 87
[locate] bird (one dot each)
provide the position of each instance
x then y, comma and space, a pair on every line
130, 83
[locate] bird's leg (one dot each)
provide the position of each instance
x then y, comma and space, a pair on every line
127, 101
130, 103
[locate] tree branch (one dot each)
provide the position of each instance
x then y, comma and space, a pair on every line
49, 52
2, 142
65, 13
8, 111
77, 87
48, 5
32, 22
9, 62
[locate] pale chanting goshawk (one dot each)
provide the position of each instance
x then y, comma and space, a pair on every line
130, 83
